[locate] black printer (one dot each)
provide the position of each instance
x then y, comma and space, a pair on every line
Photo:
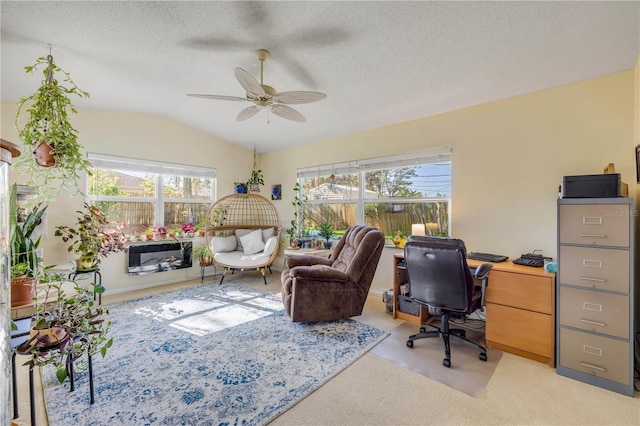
593, 186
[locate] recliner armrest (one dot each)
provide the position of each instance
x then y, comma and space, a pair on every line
318, 273
295, 260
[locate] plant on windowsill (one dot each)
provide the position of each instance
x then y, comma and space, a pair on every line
48, 133
188, 229
326, 231
67, 325
92, 238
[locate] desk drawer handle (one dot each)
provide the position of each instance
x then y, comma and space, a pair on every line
601, 324
584, 364
594, 235
600, 280
591, 220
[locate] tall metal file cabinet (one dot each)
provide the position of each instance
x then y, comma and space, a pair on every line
596, 306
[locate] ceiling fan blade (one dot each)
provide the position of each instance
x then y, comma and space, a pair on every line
299, 97
219, 97
247, 113
249, 83
288, 113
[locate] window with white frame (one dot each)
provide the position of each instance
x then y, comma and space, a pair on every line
143, 194
390, 193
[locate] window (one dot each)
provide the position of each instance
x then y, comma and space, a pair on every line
390, 193
144, 194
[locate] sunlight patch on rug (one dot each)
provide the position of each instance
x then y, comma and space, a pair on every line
206, 355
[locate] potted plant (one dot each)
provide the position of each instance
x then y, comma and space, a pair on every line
91, 239
297, 223
25, 261
326, 231
201, 253
66, 324
48, 133
255, 180
188, 229
201, 227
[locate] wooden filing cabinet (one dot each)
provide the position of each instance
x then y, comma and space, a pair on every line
596, 294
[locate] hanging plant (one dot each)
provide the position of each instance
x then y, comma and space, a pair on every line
58, 161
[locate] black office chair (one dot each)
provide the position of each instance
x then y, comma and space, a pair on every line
440, 279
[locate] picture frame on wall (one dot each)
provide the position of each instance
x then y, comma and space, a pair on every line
638, 164
276, 192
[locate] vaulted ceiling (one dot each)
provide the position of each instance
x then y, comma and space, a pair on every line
378, 62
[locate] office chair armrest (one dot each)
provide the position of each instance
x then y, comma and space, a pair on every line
318, 273
482, 271
306, 260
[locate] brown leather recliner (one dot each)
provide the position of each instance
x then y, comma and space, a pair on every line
319, 289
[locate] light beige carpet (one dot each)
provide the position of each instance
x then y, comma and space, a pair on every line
467, 374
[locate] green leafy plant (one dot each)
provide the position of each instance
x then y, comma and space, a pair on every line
24, 256
67, 323
218, 216
202, 254
47, 127
91, 239
255, 180
326, 230
297, 228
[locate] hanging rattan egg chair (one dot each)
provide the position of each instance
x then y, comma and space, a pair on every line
232, 235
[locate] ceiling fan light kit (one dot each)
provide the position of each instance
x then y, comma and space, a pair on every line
264, 96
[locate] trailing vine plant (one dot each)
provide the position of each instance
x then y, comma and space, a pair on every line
47, 126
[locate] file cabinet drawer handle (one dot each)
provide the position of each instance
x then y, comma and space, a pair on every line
594, 235
588, 263
591, 307
591, 220
601, 324
600, 280
584, 364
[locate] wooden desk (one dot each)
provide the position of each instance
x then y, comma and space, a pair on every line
520, 307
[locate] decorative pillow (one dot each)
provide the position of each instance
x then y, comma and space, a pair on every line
252, 242
270, 245
240, 233
223, 244
268, 233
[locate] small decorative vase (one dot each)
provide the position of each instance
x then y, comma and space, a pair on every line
149, 237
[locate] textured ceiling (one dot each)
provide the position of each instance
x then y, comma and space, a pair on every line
378, 62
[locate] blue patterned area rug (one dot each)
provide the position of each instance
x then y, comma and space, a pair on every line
206, 355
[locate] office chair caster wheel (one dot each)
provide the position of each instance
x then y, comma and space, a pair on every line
410, 343
423, 330
483, 356
446, 362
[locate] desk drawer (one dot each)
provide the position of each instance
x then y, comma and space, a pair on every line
595, 355
604, 269
594, 224
594, 311
530, 292
524, 330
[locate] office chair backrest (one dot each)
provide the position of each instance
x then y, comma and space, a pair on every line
438, 274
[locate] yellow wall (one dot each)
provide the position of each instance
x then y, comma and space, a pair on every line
144, 136
509, 157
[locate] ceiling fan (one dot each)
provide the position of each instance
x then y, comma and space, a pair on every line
263, 96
